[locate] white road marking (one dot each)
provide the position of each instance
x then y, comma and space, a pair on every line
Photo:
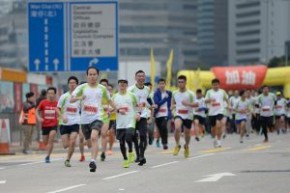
3, 182
215, 177
32, 163
161, 165
121, 189
68, 188
120, 175
2, 168
201, 156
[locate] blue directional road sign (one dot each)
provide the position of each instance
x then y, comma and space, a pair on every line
71, 36
46, 36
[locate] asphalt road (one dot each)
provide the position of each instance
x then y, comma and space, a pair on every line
234, 168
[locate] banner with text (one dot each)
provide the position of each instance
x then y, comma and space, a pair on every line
240, 77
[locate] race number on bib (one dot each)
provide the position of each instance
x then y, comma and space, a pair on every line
90, 109
49, 114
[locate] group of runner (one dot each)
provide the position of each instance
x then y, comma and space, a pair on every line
92, 111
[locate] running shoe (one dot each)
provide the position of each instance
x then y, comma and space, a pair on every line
215, 143
142, 161
93, 166
126, 164
157, 143
219, 143
137, 160
176, 150
47, 159
67, 163
82, 159
131, 157
197, 139
186, 152
103, 156
165, 147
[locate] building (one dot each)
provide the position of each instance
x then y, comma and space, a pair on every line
258, 30
212, 33
161, 25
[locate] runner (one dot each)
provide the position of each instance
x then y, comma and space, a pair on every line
242, 108
280, 113
162, 113
199, 114
82, 140
233, 101
112, 124
69, 119
150, 119
142, 92
125, 103
106, 121
92, 96
267, 103
215, 99
181, 100
256, 113
48, 120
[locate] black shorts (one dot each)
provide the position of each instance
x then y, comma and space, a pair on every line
279, 116
46, 130
288, 120
87, 128
68, 129
201, 120
187, 123
125, 133
112, 124
141, 127
267, 122
214, 119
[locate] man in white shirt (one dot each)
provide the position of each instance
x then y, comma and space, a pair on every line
280, 112
142, 93
93, 115
69, 119
267, 103
183, 114
125, 103
216, 98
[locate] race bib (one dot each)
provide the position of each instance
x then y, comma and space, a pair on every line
266, 108
90, 108
49, 114
162, 110
215, 104
71, 110
182, 111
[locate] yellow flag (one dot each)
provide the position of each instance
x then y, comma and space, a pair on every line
152, 68
169, 69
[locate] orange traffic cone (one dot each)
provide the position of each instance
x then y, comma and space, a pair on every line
5, 138
41, 145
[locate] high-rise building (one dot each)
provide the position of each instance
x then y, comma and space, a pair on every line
212, 37
258, 30
161, 25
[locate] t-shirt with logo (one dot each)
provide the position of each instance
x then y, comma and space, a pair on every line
69, 110
200, 110
142, 95
233, 102
127, 102
92, 107
280, 108
267, 104
217, 106
163, 110
48, 111
185, 112
242, 105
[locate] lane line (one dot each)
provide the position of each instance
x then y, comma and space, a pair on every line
3, 182
215, 150
259, 148
68, 188
32, 163
165, 164
2, 168
120, 175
